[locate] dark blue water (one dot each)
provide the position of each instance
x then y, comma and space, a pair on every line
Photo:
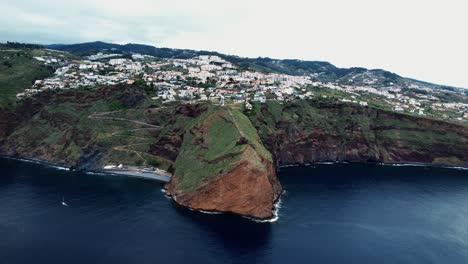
330, 214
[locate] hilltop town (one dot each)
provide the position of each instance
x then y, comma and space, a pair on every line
209, 77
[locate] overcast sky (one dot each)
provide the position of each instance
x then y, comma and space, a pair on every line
422, 39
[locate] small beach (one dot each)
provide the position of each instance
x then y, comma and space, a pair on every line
139, 174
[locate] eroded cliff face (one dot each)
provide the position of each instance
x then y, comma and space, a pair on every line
308, 132
244, 190
224, 167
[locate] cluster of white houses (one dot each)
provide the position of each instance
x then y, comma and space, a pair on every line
202, 77
213, 78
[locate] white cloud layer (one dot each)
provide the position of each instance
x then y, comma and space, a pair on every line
426, 40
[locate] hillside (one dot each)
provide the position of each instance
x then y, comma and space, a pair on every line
322, 71
18, 71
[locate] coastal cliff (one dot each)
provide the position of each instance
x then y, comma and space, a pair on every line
304, 132
222, 159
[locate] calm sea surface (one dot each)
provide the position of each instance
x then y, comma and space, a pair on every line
330, 214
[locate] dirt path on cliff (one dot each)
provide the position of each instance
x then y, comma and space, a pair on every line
102, 115
127, 148
235, 123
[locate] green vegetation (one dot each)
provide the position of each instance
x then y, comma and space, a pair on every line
64, 125
215, 144
18, 45
350, 123
18, 71
116, 105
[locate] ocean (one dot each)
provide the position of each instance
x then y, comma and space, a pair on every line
340, 213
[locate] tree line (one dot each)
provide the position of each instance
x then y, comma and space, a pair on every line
18, 45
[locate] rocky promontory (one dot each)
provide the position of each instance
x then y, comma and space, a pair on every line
224, 167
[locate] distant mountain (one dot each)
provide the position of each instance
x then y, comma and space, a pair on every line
90, 48
320, 70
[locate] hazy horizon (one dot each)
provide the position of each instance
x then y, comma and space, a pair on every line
422, 40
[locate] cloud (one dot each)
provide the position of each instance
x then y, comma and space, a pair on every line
420, 39
53, 21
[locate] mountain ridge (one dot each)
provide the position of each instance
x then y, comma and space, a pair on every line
322, 70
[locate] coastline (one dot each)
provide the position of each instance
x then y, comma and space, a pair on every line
128, 173
139, 174
393, 164
164, 179
275, 209
37, 161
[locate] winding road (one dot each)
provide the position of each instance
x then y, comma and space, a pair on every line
127, 148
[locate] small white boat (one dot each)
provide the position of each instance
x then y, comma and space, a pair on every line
63, 202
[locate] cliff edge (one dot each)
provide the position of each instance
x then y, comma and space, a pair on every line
223, 166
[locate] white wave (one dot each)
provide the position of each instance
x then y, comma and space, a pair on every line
96, 173
402, 164
381, 164
421, 165
60, 167
45, 163
165, 194
276, 208
313, 164
456, 168
209, 212
289, 165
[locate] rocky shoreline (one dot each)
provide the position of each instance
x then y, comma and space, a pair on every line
399, 164
123, 172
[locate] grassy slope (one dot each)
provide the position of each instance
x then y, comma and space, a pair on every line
213, 146
18, 70
62, 129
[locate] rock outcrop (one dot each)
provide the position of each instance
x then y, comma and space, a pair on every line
244, 190
224, 167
